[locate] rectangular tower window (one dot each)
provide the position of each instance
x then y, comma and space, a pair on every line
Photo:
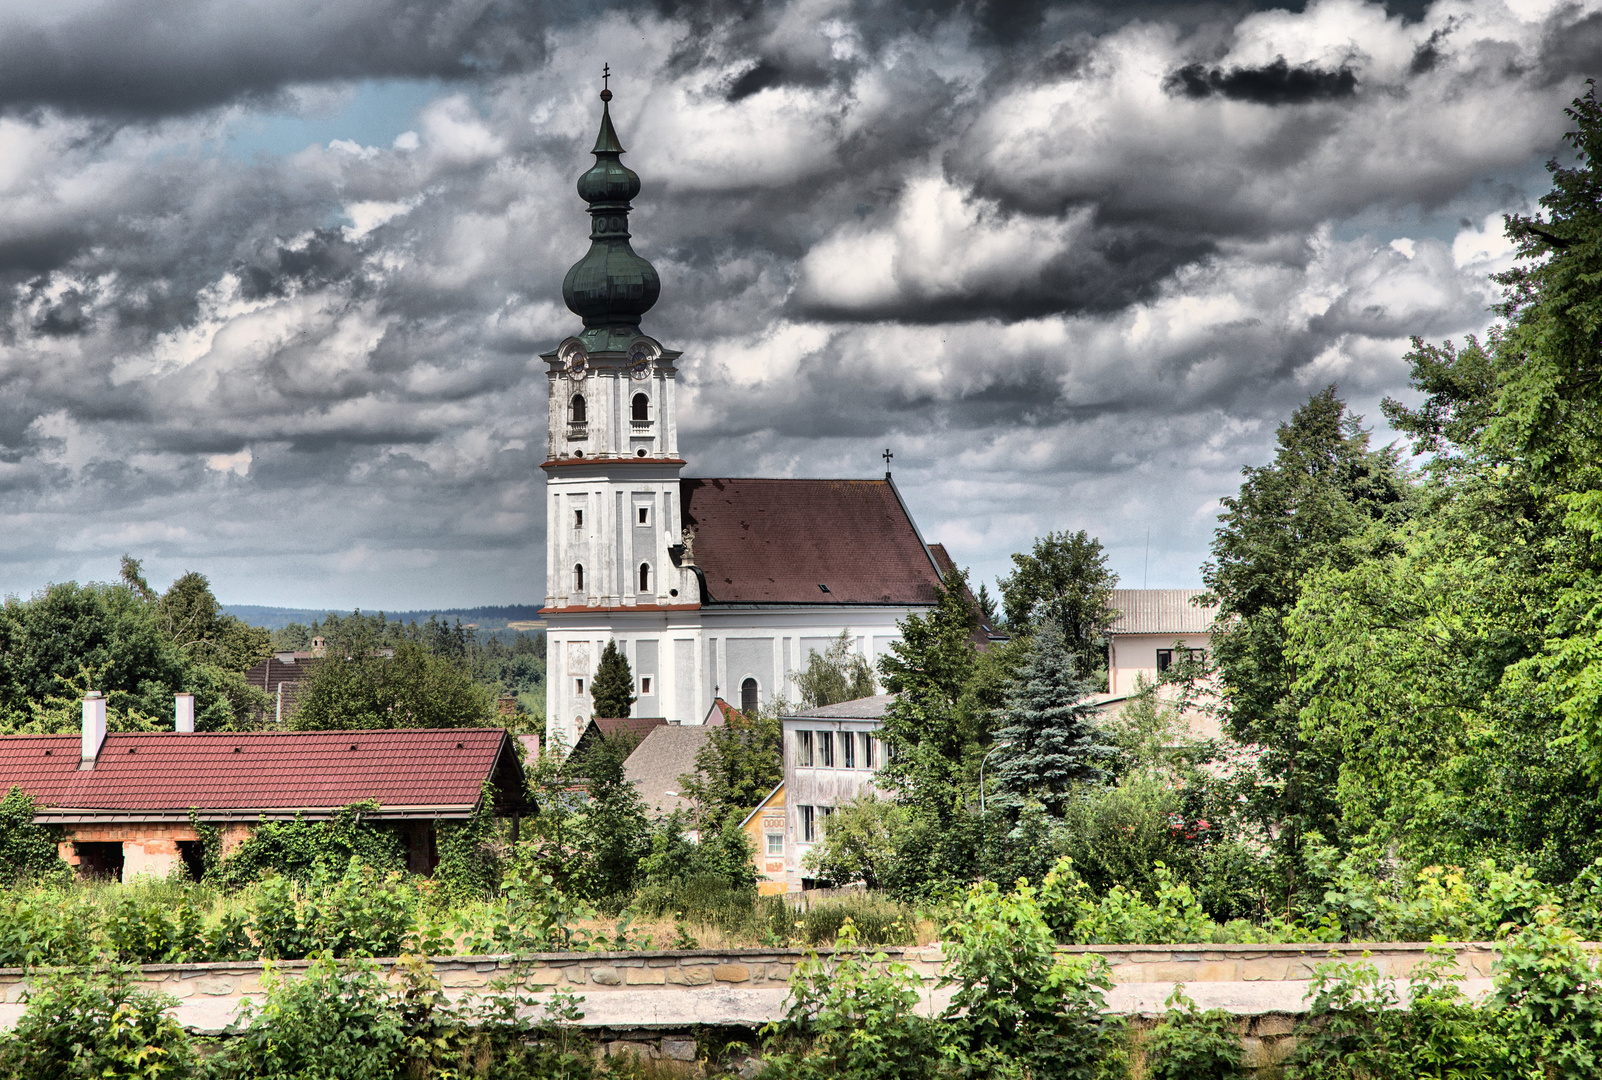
645, 515
578, 687
578, 519
803, 749
645, 684
826, 749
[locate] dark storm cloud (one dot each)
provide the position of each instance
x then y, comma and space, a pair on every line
983, 234
164, 57
1277, 83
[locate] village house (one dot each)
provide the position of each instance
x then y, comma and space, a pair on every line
831, 755
126, 804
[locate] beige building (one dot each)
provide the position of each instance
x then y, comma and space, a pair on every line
1154, 630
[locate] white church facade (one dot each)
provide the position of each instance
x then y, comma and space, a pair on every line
714, 587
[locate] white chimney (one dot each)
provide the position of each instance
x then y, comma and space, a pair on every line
185, 712
94, 728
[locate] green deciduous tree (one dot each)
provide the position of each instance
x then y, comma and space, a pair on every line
613, 688
1328, 500
1064, 580
928, 670
860, 843
737, 766
412, 688
839, 674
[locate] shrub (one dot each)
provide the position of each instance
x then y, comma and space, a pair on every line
1193, 1045
303, 850
363, 913
875, 920
96, 1024
1018, 1007
46, 927
27, 851
338, 1020
852, 1017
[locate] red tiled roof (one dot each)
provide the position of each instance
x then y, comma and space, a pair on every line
720, 714
776, 541
276, 773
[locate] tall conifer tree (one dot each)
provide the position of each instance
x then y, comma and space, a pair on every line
1048, 725
613, 690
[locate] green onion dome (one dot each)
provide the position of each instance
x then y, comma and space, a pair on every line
610, 285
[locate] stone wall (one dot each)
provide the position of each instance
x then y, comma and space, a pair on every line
744, 988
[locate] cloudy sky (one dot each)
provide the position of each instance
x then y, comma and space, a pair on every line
273, 275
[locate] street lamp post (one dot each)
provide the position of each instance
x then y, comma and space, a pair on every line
982, 761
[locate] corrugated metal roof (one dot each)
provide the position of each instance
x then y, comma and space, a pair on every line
776, 541
256, 771
1160, 611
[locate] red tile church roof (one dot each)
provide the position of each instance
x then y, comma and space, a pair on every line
776, 541
409, 772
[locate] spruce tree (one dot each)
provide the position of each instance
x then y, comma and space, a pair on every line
1048, 725
613, 690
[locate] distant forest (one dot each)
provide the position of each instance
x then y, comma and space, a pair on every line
484, 618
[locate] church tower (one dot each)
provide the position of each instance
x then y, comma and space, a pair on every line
612, 463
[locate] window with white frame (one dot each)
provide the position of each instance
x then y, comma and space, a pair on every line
645, 685
775, 843
803, 749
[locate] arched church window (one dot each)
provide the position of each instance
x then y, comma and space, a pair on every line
748, 696
577, 411
642, 408
578, 577
645, 577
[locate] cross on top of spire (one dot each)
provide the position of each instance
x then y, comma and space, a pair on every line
887, 455
606, 74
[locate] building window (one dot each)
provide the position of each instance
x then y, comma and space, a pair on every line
576, 411
1165, 659
645, 577
848, 750
748, 696
826, 749
644, 513
642, 408
775, 843
803, 749
645, 685
809, 824
578, 687
867, 750
578, 519
578, 577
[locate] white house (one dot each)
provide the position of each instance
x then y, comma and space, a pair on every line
831, 755
713, 586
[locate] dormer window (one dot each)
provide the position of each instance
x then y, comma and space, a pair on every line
576, 411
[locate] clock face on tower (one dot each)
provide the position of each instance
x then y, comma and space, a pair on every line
575, 361
642, 354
